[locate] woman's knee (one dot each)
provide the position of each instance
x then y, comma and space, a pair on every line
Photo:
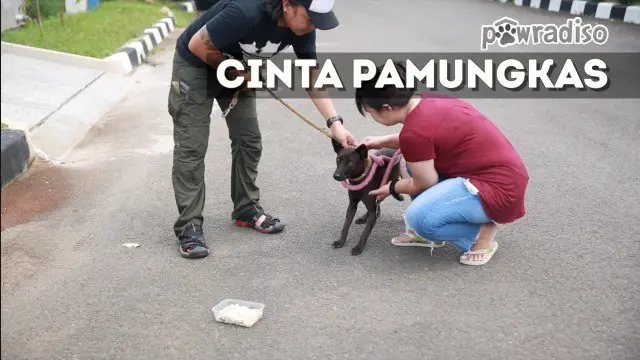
436, 207
419, 220
430, 227
415, 217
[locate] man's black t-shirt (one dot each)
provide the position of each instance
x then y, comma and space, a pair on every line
243, 28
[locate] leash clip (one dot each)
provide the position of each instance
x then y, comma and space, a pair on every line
234, 100
232, 104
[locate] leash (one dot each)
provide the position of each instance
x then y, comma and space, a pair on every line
377, 160
320, 129
234, 101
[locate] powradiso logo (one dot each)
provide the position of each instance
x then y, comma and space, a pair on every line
508, 32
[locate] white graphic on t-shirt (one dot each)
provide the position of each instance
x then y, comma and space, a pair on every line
266, 51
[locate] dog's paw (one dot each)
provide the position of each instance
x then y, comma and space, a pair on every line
362, 220
337, 244
356, 251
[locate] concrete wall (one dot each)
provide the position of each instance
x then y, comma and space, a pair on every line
75, 6
10, 8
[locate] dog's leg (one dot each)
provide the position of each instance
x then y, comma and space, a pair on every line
362, 219
351, 213
371, 221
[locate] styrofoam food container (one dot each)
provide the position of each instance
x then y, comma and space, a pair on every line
226, 302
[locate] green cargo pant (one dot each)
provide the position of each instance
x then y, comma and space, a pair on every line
190, 107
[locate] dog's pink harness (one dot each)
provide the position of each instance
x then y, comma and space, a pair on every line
376, 160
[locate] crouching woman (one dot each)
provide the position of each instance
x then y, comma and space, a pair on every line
464, 176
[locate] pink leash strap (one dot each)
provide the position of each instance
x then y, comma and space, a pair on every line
376, 161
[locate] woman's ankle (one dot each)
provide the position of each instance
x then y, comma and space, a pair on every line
486, 235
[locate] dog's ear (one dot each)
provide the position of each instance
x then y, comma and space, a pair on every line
336, 146
363, 151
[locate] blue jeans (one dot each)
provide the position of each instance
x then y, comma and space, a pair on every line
449, 212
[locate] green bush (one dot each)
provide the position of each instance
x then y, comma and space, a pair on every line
48, 8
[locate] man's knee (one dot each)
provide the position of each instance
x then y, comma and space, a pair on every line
191, 153
244, 131
250, 142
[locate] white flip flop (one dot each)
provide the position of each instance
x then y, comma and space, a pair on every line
488, 254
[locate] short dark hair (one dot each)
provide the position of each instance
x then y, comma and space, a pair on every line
274, 7
392, 95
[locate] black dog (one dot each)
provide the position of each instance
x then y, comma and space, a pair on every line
353, 164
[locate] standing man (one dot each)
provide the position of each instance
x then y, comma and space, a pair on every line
236, 28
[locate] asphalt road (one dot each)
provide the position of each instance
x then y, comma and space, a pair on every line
563, 285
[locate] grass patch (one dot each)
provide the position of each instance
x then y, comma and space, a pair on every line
183, 18
4, 126
97, 33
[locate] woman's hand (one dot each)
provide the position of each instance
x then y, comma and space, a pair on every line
374, 142
381, 193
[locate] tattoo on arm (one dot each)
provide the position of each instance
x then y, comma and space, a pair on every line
211, 55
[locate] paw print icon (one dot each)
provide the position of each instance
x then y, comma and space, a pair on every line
506, 31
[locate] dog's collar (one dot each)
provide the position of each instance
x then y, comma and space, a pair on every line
367, 168
377, 160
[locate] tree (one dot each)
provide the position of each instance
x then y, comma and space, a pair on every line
39, 17
27, 9
62, 8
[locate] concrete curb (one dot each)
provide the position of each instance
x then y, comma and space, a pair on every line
133, 53
598, 10
188, 6
123, 61
109, 65
17, 151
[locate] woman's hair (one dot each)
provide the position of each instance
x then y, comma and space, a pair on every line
274, 7
392, 95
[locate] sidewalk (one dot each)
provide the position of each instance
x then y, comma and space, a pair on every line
33, 89
51, 99
57, 101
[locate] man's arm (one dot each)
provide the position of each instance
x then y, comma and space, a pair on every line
201, 46
320, 98
324, 104
305, 48
227, 28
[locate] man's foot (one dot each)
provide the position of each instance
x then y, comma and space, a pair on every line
192, 243
484, 247
256, 218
